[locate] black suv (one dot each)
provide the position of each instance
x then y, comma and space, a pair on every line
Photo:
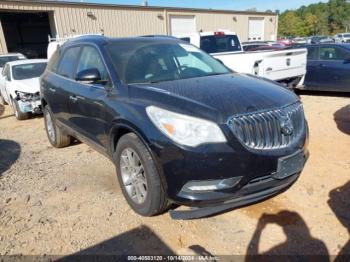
179, 126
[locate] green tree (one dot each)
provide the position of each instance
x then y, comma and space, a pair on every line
289, 24
309, 24
315, 19
338, 15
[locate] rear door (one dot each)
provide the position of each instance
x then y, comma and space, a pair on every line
87, 101
59, 84
312, 69
334, 72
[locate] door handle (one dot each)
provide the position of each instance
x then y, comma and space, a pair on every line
322, 65
53, 90
73, 99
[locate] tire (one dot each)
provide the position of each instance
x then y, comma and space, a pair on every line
54, 133
2, 100
18, 113
155, 200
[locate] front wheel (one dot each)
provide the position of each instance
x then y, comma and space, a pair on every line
54, 133
17, 110
138, 177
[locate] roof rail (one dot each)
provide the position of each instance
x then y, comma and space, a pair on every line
65, 38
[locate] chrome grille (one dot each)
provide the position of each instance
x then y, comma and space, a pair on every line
266, 130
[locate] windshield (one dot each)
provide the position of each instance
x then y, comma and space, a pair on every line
220, 43
27, 71
145, 61
5, 59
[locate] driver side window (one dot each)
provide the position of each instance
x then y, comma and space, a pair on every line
333, 53
91, 59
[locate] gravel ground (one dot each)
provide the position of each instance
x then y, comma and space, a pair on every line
67, 201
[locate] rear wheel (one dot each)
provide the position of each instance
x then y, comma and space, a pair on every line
54, 133
138, 177
17, 110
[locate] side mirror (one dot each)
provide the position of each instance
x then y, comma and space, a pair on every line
90, 76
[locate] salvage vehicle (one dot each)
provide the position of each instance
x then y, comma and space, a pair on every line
3, 60
285, 66
328, 68
20, 86
179, 126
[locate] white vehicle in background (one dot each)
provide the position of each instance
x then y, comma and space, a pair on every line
10, 57
342, 38
20, 87
287, 66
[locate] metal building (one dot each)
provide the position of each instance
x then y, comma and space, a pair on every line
26, 24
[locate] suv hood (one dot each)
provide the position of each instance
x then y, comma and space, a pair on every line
31, 85
228, 94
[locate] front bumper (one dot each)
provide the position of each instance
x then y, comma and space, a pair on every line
248, 195
28, 106
179, 166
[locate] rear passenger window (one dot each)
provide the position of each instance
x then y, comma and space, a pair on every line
312, 53
220, 43
67, 63
52, 64
90, 58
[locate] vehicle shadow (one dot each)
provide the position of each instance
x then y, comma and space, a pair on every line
2, 110
9, 153
342, 118
322, 93
340, 204
139, 241
299, 245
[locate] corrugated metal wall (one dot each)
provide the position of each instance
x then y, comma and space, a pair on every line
68, 19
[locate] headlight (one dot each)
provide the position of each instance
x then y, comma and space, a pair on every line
23, 96
183, 129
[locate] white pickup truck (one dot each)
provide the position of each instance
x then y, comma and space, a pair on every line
286, 66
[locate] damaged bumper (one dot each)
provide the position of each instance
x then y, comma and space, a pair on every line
29, 102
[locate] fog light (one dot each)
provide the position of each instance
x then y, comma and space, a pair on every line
210, 185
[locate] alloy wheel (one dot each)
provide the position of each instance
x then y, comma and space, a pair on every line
49, 126
133, 175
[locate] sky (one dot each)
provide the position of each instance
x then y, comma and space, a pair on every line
260, 5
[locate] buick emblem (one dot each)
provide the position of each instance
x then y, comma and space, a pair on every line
286, 125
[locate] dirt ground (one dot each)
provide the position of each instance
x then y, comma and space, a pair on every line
67, 201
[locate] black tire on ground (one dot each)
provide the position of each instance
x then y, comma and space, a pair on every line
2, 100
57, 138
18, 113
156, 201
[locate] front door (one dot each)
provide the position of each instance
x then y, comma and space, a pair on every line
87, 100
311, 78
59, 85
